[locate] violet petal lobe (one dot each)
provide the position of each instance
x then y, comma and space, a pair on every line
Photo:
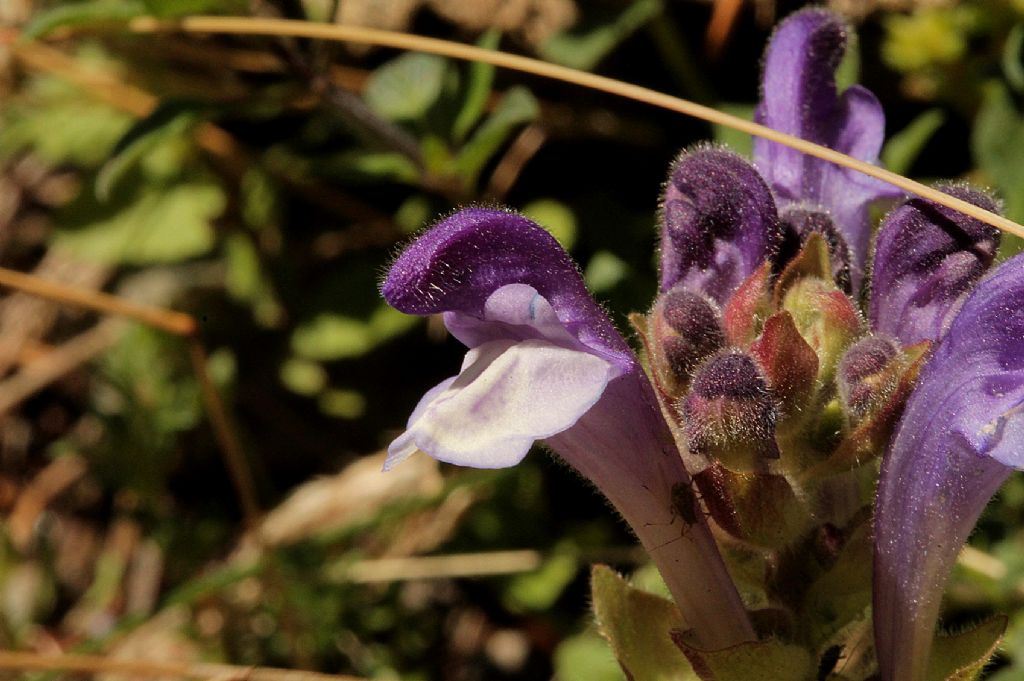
799, 97
927, 257
718, 223
961, 434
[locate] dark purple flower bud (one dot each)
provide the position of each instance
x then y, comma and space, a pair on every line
798, 223
718, 223
729, 414
685, 330
799, 97
961, 434
927, 258
868, 374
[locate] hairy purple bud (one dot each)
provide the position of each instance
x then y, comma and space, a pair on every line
868, 374
927, 259
685, 330
718, 223
729, 414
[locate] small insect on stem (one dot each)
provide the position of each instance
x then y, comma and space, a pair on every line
685, 506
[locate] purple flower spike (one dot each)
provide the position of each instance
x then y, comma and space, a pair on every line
959, 438
927, 257
799, 97
718, 223
545, 363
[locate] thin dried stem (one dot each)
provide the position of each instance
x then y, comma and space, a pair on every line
48, 484
511, 165
226, 435
441, 567
177, 323
405, 41
102, 86
51, 366
107, 665
466, 565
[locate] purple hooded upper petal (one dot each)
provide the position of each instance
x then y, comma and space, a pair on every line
718, 223
927, 257
799, 97
960, 436
459, 263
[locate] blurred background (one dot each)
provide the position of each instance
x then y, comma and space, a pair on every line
261, 185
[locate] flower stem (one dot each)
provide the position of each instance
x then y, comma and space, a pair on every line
625, 448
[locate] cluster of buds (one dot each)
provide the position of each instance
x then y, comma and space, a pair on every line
795, 361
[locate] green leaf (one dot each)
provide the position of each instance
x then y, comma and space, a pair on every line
145, 395
1013, 64
516, 108
582, 47
848, 71
259, 199
740, 142
928, 36
407, 86
604, 271
82, 15
962, 657
769, 659
905, 146
302, 376
556, 217
148, 223
375, 166
342, 404
166, 9
586, 657
246, 281
169, 121
481, 78
537, 591
61, 124
998, 146
331, 336
637, 625
841, 595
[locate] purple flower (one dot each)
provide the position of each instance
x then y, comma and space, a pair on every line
960, 436
511, 295
718, 223
799, 97
545, 363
